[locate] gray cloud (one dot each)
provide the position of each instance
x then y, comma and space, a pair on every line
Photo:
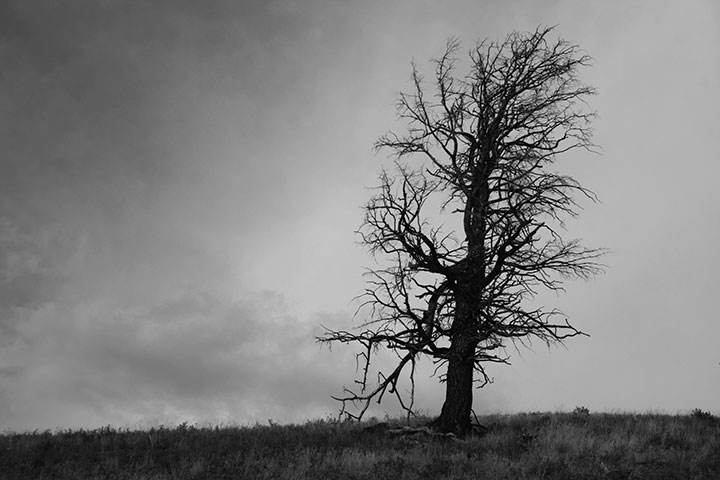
196, 357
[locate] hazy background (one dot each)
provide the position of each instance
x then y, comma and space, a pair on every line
180, 182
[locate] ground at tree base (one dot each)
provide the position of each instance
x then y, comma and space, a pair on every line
578, 445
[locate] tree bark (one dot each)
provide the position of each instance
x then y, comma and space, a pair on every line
455, 414
456, 411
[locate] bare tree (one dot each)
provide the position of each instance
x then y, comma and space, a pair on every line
468, 221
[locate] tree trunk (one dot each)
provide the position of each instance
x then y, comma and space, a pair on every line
455, 414
456, 411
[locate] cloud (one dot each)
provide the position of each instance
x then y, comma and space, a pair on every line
196, 357
36, 262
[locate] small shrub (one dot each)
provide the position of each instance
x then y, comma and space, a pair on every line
581, 412
700, 415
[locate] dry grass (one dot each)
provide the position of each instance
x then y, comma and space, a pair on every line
577, 445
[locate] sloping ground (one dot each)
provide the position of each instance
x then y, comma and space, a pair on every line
524, 446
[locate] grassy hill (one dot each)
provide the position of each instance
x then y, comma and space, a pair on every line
576, 445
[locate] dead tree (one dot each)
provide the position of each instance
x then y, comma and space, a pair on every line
468, 222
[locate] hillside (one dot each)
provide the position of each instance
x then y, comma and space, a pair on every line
522, 446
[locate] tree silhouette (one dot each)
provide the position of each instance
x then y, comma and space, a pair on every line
468, 221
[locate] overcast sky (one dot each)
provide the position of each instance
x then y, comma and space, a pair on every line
180, 182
